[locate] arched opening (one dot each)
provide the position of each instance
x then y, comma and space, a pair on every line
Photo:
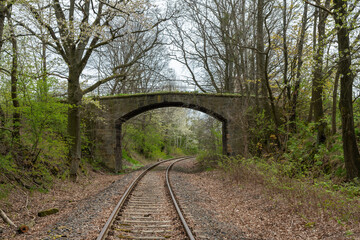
132, 114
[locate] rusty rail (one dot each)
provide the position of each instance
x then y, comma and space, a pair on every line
178, 210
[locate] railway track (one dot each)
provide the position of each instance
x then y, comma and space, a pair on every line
148, 209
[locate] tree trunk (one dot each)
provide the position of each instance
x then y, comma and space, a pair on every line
318, 81
14, 80
351, 152
44, 85
270, 94
316, 16
2, 117
334, 103
310, 115
5, 9
2, 21
74, 131
2, 124
286, 55
298, 70
260, 56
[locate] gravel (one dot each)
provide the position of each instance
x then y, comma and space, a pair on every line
87, 219
90, 214
203, 221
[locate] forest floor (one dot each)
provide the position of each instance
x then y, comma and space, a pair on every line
221, 209
247, 210
71, 199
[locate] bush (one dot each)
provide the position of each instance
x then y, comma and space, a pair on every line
208, 160
39, 156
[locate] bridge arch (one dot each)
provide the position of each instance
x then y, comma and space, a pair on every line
118, 109
121, 120
150, 107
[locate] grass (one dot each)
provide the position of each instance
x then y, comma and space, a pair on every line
135, 164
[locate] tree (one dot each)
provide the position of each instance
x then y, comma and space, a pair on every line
148, 72
215, 47
351, 151
318, 76
79, 29
334, 103
260, 50
299, 59
344, 26
14, 83
4, 10
5, 7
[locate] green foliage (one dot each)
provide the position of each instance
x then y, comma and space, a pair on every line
95, 163
261, 127
43, 119
303, 157
44, 131
217, 133
349, 189
7, 165
159, 134
208, 160
177, 151
128, 158
149, 142
41, 153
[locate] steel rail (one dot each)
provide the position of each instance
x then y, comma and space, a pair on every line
117, 209
183, 221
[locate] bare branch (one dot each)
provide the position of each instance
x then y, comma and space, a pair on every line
105, 80
319, 6
50, 30
6, 219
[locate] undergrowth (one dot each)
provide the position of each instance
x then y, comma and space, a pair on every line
310, 177
307, 195
134, 164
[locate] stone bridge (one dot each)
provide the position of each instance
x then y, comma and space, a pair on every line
229, 109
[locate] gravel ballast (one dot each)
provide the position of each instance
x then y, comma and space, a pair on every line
91, 214
192, 198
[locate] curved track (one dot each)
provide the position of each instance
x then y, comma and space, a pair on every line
146, 211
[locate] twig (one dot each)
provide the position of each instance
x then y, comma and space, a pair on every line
26, 205
6, 219
356, 98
